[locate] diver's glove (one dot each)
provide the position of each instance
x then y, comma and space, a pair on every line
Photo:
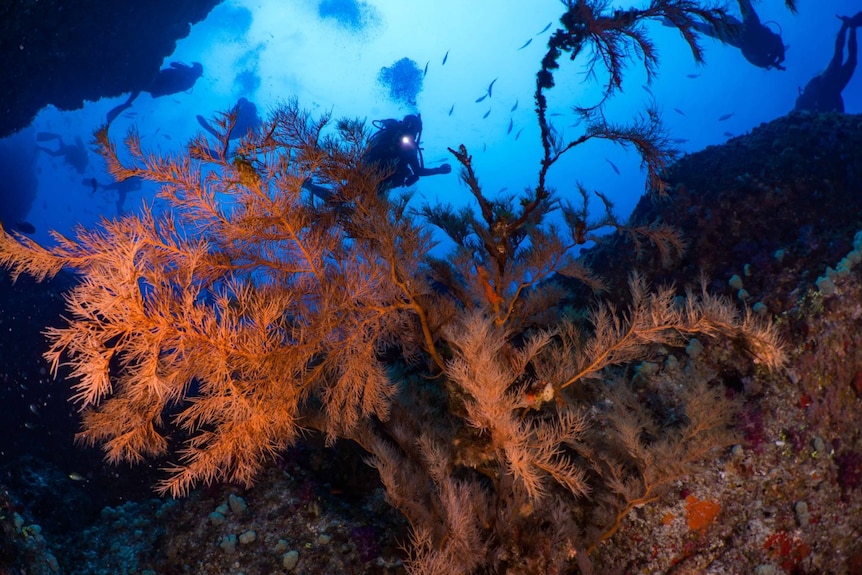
444, 169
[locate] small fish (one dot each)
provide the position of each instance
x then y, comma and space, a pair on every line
484, 147
488, 113
482, 98
34, 409
678, 111
518, 135
515, 106
725, 117
728, 134
425, 73
509, 131
614, 166
503, 189
165, 136
555, 114
692, 75
491, 86
452, 109
527, 43
647, 90
446, 57
30, 425
545, 29
679, 140
77, 477
25, 227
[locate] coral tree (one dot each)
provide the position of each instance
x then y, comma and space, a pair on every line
487, 399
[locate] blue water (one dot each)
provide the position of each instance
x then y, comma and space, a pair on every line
347, 58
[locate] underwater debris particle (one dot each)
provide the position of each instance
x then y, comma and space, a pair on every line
403, 80
352, 15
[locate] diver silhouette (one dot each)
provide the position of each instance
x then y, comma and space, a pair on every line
758, 44
75, 156
122, 187
176, 78
823, 92
395, 147
246, 120
396, 144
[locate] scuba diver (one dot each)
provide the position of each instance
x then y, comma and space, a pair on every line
823, 92
394, 146
122, 187
74, 155
176, 78
247, 120
397, 143
759, 45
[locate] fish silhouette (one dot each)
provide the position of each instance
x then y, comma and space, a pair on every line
25, 227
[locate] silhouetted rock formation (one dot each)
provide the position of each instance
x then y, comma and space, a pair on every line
65, 52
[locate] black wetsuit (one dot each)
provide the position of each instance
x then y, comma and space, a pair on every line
823, 91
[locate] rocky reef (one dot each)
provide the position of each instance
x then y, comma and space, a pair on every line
769, 217
63, 53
